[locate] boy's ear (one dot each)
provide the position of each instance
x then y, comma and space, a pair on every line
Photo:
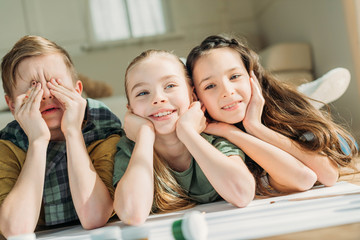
79, 87
10, 103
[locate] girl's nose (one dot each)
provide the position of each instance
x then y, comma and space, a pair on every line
159, 98
228, 90
159, 101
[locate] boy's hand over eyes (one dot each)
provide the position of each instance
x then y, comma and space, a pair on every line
27, 114
74, 105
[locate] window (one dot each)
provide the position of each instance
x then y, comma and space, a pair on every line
114, 20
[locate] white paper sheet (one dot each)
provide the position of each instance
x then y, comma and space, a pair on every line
262, 218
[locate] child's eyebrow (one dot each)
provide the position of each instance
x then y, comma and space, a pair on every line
204, 80
137, 85
164, 78
209, 77
232, 69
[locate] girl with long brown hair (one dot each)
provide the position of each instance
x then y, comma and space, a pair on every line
291, 145
164, 163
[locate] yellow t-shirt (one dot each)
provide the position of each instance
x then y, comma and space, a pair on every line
12, 159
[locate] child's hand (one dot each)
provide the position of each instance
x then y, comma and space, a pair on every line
256, 105
27, 114
133, 123
73, 103
192, 119
220, 129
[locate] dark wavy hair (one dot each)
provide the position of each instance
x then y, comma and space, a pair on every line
286, 111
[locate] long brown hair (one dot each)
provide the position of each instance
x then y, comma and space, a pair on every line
168, 194
286, 111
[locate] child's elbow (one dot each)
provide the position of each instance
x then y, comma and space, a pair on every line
309, 179
245, 194
242, 201
94, 215
16, 229
130, 215
135, 218
329, 173
94, 221
330, 179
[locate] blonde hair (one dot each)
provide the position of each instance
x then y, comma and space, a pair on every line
286, 110
30, 46
168, 194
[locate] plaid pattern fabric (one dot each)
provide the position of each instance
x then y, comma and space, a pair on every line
99, 123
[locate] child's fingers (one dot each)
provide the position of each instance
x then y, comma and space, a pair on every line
22, 101
63, 94
29, 102
63, 99
59, 83
19, 101
33, 91
255, 87
29, 91
56, 85
28, 94
195, 104
255, 81
253, 76
37, 99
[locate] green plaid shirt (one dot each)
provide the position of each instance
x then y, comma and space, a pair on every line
100, 123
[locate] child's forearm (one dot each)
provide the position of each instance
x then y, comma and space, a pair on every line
135, 190
287, 173
327, 172
19, 213
90, 195
228, 175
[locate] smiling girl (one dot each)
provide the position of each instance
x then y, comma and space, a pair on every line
165, 163
291, 143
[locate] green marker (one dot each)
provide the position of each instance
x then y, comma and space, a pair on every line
191, 226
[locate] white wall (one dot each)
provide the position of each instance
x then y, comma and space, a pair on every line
322, 24
194, 20
66, 22
319, 22
61, 21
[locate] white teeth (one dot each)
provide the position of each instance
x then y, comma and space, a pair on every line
162, 114
230, 106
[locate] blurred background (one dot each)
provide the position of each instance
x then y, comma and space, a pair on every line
103, 36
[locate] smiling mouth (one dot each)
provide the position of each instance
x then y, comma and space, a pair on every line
162, 114
230, 106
